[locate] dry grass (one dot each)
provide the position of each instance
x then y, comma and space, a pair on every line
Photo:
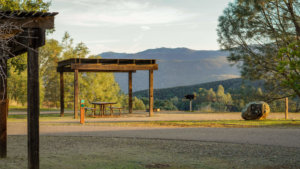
130, 153
206, 123
54, 119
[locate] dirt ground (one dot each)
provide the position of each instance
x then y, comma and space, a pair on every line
135, 153
93, 147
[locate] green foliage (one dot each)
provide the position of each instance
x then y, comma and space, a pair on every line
254, 31
92, 86
99, 87
208, 100
164, 105
25, 5
138, 104
180, 92
49, 55
17, 85
289, 65
230, 95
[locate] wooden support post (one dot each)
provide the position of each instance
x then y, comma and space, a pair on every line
3, 110
150, 93
33, 107
62, 95
286, 108
130, 92
191, 108
76, 92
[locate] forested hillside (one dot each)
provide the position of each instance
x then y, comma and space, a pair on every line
181, 91
218, 96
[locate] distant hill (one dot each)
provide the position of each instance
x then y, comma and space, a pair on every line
181, 91
177, 67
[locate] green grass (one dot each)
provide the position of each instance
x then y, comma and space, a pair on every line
24, 109
230, 123
51, 119
205, 123
24, 116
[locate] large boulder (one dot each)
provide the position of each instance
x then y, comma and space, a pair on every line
257, 110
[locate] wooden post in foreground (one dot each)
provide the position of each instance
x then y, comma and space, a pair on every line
286, 108
130, 92
191, 108
151, 93
76, 92
62, 95
3, 111
33, 108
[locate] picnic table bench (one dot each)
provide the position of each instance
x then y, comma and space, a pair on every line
102, 106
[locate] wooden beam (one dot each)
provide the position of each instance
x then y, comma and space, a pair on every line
68, 69
286, 108
114, 67
106, 61
33, 108
3, 110
62, 95
130, 92
151, 93
76, 92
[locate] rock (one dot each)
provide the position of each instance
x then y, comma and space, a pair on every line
257, 110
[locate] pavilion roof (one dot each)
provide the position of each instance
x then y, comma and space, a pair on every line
25, 14
28, 19
19, 28
106, 65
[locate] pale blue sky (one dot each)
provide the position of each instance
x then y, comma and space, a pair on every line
135, 25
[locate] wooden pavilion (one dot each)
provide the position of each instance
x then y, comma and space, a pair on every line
105, 65
27, 34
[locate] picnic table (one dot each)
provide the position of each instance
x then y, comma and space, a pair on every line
102, 106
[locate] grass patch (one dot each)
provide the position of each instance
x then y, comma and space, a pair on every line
206, 123
51, 119
24, 109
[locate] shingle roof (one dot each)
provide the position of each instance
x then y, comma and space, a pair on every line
24, 14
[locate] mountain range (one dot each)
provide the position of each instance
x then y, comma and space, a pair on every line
177, 67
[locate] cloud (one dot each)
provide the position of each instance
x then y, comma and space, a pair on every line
103, 41
93, 13
145, 28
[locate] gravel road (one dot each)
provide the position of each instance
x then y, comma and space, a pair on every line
288, 137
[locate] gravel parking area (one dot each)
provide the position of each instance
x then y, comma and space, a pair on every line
106, 153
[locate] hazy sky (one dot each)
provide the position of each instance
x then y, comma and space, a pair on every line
135, 25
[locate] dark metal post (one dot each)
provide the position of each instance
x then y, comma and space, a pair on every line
33, 99
3, 110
